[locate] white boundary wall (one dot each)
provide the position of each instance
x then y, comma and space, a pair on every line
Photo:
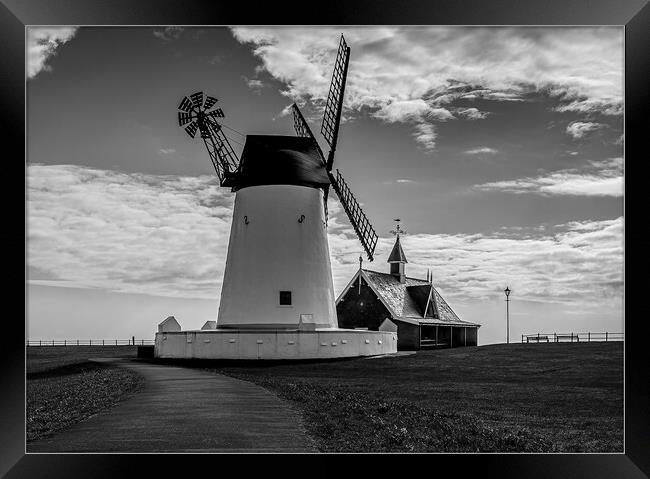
279, 344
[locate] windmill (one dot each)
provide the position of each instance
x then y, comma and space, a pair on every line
278, 273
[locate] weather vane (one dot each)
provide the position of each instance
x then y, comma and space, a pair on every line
398, 230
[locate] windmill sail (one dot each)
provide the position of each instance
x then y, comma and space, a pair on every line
194, 110
334, 105
329, 129
358, 219
302, 128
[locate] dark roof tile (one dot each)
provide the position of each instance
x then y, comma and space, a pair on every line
405, 299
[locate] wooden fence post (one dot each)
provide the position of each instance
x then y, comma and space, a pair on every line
606, 336
589, 337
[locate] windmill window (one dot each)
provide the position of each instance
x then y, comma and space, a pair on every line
285, 298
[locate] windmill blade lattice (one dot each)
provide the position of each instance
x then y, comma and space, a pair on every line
334, 105
209, 102
197, 99
302, 128
358, 218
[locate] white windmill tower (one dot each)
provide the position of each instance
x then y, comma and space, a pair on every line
278, 275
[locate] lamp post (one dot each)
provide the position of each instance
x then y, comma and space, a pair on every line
507, 291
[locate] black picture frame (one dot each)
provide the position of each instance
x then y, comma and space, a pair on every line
634, 14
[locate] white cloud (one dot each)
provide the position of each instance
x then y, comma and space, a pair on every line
598, 178
168, 34
580, 263
166, 151
168, 236
255, 83
425, 134
127, 232
417, 112
408, 74
403, 110
483, 150
602, 106
404, 180
578, 129
42, 43
471, 113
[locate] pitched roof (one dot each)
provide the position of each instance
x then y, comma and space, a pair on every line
397, 255
408, 300
421, 295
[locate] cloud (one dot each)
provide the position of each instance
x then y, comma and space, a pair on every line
471, 113
253, 84
588, 106
42, 44
483, 150
403, 110
168, 34
578, 129
166, 151
133, 233
598, 178
168, 236
425, 134
403, 180
417, 74
418, 112
580, 263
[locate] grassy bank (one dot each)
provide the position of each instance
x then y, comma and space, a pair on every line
45, 358
64, 387
546, 397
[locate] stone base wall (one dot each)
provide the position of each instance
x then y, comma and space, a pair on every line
273, 344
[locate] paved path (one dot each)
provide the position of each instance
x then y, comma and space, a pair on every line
186, 410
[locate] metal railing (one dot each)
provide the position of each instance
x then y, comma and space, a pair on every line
89, 342
572, 337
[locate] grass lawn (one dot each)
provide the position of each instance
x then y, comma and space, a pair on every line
44, 358
64, 387
520, 397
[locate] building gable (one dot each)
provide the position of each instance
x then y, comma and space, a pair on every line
362, 309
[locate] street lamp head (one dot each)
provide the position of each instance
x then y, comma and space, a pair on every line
507, 291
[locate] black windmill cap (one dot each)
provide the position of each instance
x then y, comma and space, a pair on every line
281, 160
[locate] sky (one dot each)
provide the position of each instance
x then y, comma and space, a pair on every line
500, 149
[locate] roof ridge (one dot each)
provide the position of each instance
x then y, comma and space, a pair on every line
389, 274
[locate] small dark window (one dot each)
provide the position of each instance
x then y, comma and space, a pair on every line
285, 298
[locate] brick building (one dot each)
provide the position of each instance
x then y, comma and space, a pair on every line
413, 308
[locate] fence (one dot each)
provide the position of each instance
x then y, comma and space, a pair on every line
89, 342
571, 337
